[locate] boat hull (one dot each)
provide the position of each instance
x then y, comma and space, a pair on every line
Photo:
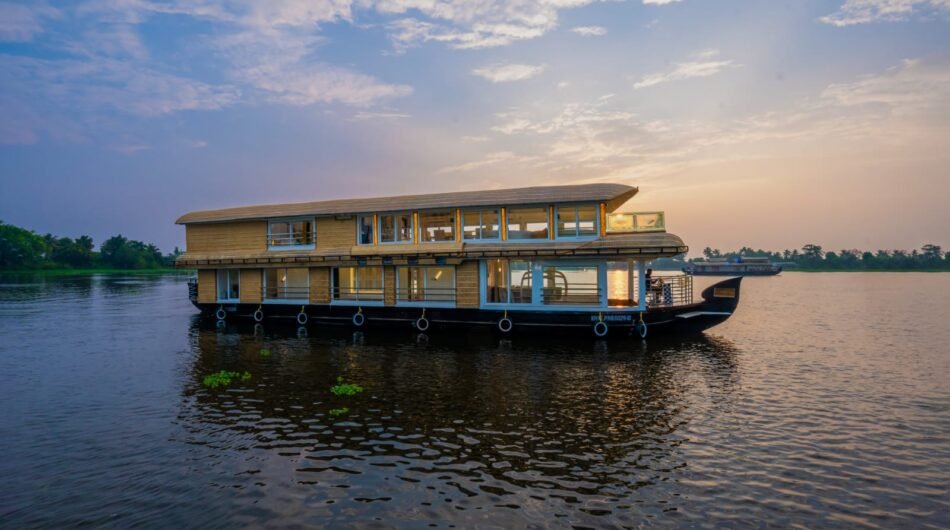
770, 272
718, 304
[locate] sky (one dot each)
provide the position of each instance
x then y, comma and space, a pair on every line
770, 124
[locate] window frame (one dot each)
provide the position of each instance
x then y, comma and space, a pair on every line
358, 302
577, 222
265, 300
547, 236
359, 228
290, 222
421, 229
396, 240
481, 223
423, 303
217, 286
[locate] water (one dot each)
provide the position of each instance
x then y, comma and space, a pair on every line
825, 402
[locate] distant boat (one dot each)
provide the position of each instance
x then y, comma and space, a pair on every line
738, 266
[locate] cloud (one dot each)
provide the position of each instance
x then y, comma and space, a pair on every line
703, 65
909, 87
505, 73
660, 2
362, 116
590, 31
865, 11
20, 23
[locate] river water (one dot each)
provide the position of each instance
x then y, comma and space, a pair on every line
824, 402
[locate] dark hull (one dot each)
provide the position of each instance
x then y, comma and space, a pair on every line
771, 272
684, 319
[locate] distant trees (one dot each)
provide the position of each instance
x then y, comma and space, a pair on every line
813, 257
24, 249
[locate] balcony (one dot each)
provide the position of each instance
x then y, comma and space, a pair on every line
635, 222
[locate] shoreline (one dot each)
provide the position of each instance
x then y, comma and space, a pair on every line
87, 272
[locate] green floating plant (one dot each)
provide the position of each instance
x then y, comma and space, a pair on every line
339, 412
345, 389
265, 352
224, 378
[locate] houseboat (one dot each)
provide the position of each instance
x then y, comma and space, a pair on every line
543, 258
738, 266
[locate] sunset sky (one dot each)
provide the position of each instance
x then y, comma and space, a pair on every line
762, 123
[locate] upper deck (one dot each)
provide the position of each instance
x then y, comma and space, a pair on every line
578, 220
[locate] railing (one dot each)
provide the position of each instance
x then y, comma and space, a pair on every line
670, 290
440, 294
286, 293
290, 239
575, 294
351, 294
626, 223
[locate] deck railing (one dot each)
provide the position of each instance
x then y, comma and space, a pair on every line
351, 294
670, 290
442, 295
576, 294
286, 293
288, 239
627, 223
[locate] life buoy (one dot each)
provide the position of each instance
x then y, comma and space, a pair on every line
258, 315
359, 319
600, 328
422, 324
642, 329
505, 325
221, 314
302, 318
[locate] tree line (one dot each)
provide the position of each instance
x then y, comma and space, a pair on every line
22, 249
812, 257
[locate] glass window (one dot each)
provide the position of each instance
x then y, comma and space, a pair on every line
287, 284
425, 284
358, 283
576, 221
365, 236
528, 223
571, 285
437, 227
480, 224
507, 281
622, 284
395, 228
229, 284
290, 233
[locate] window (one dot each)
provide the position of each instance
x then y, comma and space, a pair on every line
425, 284
290, 233
480, 224
395, 228
229, 285
358, 284
287, 284
623, 288
576, 221
528, 223
571, 285
437, 226
365, 235
507, 281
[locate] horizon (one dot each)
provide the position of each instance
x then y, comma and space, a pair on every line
764, 125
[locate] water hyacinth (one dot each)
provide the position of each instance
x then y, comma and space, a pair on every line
345, 389
224, 378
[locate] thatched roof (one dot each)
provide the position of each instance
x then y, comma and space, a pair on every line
613, 194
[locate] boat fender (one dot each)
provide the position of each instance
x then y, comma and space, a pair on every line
422, 324
220, 313
359, 318
600, 329
302, 317
505, 325
642, 329
259, 314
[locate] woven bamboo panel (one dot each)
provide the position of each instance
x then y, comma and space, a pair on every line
319, 285
335, 235
251, 286
243, 237
466, 284
207, 286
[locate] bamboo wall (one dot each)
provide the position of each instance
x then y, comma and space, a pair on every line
320, 285
466, 284
207, 286
226, 238
389, 285
336, 235
251, 286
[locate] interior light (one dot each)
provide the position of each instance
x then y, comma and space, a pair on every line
438, 274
